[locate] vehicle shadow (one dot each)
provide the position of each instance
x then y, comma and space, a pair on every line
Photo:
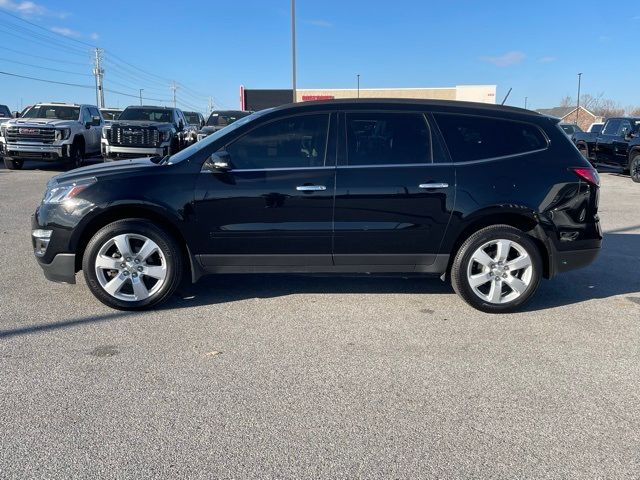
53, 166
615, 272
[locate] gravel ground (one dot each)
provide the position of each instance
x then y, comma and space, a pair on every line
307, 377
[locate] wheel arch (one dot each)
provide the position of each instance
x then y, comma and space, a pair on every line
521, 219
121, 212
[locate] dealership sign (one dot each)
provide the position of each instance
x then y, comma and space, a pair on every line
309, 98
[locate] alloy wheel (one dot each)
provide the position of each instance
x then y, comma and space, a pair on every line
131, 267
634, 171
500, 271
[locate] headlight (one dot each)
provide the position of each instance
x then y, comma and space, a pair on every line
62, 133
165, 136
66, 192
105, 132
3, 130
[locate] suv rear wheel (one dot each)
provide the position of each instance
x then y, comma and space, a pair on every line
497, 269
132, 264
13, 164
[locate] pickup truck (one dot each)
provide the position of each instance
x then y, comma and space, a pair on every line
51, 131
617, 144
146, 131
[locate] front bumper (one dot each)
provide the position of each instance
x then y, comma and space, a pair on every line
62, 268
115, 151
35, 151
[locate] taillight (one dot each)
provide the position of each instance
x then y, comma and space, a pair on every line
588, 174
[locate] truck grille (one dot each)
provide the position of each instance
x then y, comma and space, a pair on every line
134, 136
30, 134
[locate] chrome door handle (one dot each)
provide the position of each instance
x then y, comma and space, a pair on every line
433, 185
311, 188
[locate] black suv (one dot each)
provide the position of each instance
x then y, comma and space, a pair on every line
492, 198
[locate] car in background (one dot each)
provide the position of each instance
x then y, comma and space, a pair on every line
617, 144
491, 198
196, 120
146, 131
5, 113
570, 129
595, 127
218, 119
110, 114
51, 131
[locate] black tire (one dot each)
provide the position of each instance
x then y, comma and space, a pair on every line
166, 243
634, 167
76, 156
460, 267
13, 164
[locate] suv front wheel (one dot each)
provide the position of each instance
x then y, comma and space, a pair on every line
132, 264
497, 269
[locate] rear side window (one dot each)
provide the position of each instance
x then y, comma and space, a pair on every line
378, 138
292, 142
478, 138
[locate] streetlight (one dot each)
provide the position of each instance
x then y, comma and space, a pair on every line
293, 47
141, 90
578, 106
358, 75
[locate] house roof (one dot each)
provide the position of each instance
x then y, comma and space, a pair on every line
561, 112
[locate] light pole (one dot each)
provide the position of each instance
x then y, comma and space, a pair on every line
358, 85
293, 48
578, 105
525, 102
141, 90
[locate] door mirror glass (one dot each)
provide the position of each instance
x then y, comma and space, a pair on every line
95, 121
217, 163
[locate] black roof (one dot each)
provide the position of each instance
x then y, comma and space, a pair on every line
403, 103
153, 106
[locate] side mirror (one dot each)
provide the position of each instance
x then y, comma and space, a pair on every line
16, 114
88, 124
218, 162
180, 125
96, 121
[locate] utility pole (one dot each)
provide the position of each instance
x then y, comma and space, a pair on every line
525, 102
210, 105
141, 90
293, 48
98, 72
174, 88
578, 106
358, 85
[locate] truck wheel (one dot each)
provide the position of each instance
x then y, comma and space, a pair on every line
75, 156
132, 264
634, 167
13, 164
497, 269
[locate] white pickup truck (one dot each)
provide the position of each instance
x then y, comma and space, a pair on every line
51, 131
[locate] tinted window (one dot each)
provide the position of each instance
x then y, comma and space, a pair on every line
387, 138
147, 114
568, 129
192, 118
4, 111
476, 138
612, 126
217, 119
288, 143
596, 128
625, 126
86, 116
53, 112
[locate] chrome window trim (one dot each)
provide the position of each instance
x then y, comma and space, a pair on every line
279, 169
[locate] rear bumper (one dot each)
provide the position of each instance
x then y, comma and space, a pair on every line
62, 268
564, 261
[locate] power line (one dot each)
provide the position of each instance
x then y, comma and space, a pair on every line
46, 81
47, 30
45, 42
69, 62
44, 68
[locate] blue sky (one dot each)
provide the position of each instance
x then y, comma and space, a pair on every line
212, 47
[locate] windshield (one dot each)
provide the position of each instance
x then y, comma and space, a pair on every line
147, 114
192, 118
53, 112
201, 145
219, 119
110, 114
4, 111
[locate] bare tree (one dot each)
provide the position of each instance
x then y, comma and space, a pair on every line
633, 111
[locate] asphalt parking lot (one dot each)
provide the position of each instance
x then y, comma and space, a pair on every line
310, 377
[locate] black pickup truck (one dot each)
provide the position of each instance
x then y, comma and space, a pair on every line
617, 144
